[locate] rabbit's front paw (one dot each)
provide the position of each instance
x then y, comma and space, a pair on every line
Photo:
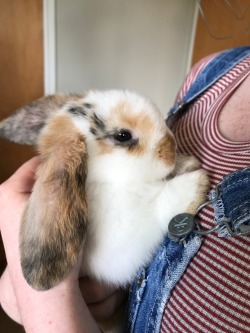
201, 185
186, 163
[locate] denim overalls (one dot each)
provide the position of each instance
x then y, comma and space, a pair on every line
152, 288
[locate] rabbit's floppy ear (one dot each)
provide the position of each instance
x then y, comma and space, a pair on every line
54, 222
25, 124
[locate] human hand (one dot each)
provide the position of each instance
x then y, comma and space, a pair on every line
14, 193
59, 309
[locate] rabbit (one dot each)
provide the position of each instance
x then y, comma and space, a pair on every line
108, 184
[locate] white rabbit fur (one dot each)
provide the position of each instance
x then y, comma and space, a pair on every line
129, 195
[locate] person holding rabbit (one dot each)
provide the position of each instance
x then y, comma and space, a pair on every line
212, 293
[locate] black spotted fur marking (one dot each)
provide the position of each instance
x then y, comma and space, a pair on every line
77, 111
98, 122
93, 131
98, 126
87, 106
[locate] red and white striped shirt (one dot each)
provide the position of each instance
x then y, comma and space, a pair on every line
213, 295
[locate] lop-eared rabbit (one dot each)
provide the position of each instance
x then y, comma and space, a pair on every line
108, 184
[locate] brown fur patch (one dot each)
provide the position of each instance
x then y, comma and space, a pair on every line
141, 124
61, 136
166, 149
104, 147
55, 220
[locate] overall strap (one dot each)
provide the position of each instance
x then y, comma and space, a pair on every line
213, 71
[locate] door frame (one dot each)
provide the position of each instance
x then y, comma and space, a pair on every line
49, 22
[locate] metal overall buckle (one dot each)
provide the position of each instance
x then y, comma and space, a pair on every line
182, 225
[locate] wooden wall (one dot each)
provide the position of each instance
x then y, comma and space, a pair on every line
21, 66
21, 81
221, 25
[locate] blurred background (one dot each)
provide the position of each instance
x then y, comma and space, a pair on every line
72, 46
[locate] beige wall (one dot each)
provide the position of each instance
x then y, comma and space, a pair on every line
143, 45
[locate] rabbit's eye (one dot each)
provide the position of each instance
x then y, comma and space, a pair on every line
123, 136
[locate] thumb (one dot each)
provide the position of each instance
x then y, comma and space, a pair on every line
14, 193
23, 179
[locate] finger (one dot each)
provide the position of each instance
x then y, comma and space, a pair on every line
23, 179
102, 299
8, 298
14, 193
104, 310
93, 291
